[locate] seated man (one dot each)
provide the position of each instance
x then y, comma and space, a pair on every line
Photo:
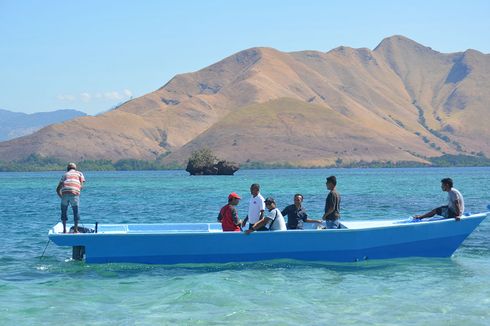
455, 206
228, 215
272, 221
297, 214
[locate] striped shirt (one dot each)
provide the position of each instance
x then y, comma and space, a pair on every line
72, 182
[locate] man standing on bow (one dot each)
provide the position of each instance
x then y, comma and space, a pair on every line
68, 190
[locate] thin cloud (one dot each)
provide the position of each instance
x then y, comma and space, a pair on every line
88, 97
128, 93
114, 95
66, 97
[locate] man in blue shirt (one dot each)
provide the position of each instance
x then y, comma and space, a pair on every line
297, 214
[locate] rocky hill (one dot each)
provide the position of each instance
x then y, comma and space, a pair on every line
401, 101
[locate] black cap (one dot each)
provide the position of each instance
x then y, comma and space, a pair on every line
269, 200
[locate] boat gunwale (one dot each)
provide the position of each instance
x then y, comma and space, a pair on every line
393, 224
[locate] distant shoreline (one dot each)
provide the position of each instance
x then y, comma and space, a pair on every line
36, 163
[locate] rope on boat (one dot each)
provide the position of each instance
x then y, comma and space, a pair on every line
47, 243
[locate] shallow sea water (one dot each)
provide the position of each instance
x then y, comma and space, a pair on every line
54, 290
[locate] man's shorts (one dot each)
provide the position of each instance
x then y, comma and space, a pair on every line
332, 224
445, 211
69, 199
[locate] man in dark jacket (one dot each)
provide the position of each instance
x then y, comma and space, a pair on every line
297, 214
332, 205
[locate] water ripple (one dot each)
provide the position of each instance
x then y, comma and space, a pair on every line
52, 289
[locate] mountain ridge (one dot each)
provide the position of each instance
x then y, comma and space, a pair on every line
409, 101
17, 124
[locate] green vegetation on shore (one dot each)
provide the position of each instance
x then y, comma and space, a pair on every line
35, 163
460, 160
446, 160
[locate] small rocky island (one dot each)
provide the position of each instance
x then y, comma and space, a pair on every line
204, 162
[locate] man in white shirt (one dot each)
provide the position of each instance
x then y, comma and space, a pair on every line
274, 220
256, 206
454, 208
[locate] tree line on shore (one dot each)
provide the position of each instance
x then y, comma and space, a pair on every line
36, 162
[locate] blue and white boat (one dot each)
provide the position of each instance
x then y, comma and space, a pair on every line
175, 243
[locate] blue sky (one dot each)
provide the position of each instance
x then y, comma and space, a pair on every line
92, 55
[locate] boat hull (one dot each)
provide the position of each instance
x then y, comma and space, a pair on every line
163, 244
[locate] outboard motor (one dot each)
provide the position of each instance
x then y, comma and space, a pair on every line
78, 252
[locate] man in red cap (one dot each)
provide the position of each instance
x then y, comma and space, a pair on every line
228, 215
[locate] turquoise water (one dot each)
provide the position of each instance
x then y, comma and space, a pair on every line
54, 290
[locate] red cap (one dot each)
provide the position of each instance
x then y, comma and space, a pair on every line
233, 195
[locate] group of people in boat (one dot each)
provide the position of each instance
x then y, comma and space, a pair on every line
260, 220
71, 184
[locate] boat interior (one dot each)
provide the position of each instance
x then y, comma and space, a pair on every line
216, 227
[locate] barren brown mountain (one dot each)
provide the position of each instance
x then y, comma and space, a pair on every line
401, 101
